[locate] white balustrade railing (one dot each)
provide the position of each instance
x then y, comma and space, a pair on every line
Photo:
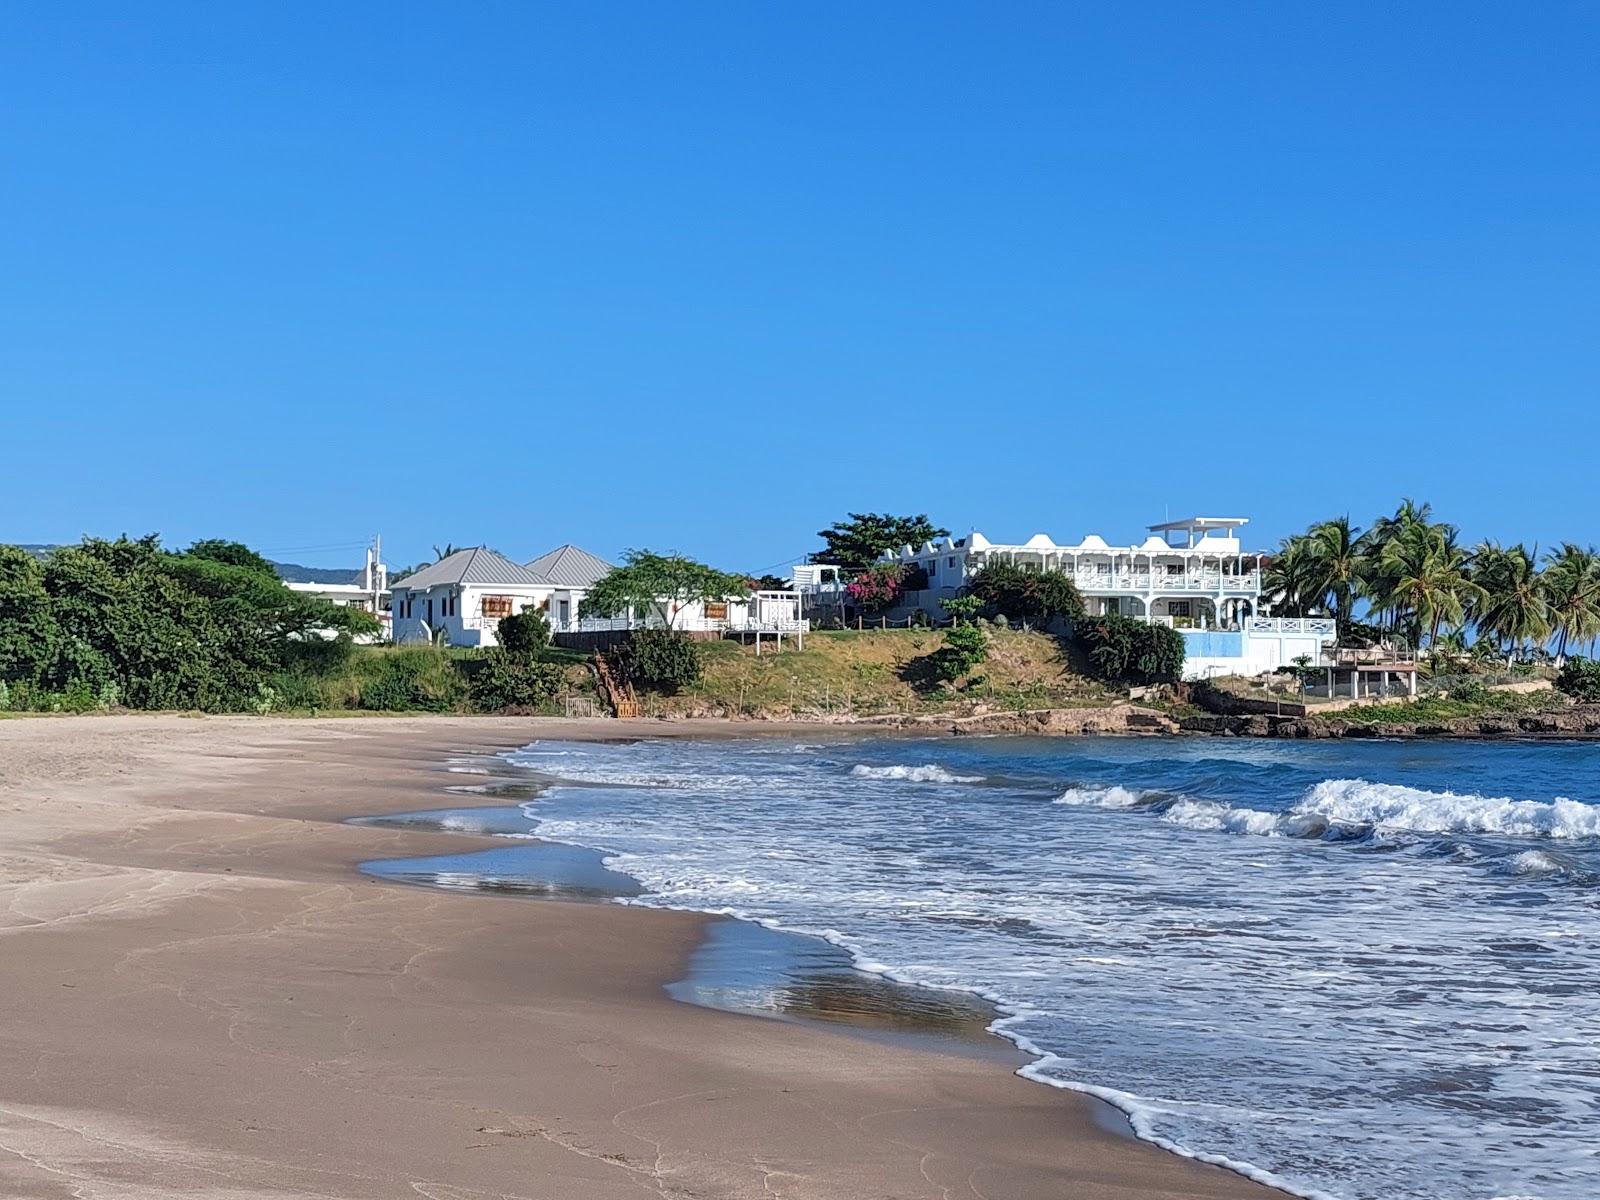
683, 625
1320, 626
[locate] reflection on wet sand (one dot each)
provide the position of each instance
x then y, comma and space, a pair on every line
739, 967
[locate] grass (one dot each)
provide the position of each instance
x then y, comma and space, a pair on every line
1433, 709
876, 672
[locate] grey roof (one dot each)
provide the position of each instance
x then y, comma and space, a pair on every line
477, 565
571, 566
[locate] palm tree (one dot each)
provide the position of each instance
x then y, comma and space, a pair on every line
1338, 565
1572, 592
1509, 603
1428, 584
1291, 578
1378, 579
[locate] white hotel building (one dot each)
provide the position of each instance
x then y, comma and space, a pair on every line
1193, 575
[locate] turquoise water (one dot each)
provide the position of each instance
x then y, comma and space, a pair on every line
1360, 969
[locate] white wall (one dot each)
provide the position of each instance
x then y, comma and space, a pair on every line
466, 626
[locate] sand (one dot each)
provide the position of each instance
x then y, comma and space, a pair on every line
200, 996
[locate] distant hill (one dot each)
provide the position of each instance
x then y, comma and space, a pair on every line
288, 572
295, 573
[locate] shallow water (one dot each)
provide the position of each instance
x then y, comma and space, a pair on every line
1360, 969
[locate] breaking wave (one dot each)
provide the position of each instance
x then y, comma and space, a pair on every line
923, 774
1350, 809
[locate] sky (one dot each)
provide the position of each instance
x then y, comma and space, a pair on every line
706, 277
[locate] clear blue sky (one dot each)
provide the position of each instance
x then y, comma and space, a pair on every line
707, 276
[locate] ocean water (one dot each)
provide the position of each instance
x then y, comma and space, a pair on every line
1354, 969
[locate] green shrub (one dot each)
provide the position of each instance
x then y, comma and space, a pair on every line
1469, 691
1035, 597
658, 660
413, 679
505, 680
526, 632
965, 647
297, 690
1123, 651
1580, 679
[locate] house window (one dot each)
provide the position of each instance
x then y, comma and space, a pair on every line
950, 562
430, 609
1178, 608
497, 606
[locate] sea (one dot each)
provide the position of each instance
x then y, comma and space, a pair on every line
1363, 970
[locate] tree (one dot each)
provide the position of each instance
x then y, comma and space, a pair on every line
1378, 575
965, 647
129, 623
1293, 580
1509, 603
524, 633
1036, 597
1336, 565
1428, 580
29, 636
855, 544
234, 554
1572, 595
666, 584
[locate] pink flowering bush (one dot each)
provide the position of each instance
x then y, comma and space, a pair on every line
877, 587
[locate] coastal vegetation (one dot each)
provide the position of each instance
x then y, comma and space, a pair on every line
126, 622
1125, 652
1035, 598
1422, 588
857, 542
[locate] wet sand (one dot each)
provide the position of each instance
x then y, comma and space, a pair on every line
201, 995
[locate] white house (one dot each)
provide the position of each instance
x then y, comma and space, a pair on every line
464, 595
1191, 574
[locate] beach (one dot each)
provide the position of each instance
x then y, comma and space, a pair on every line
203, 996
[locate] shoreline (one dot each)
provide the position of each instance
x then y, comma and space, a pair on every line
207, 995
1578, 723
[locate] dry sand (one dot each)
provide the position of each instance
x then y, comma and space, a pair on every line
200, 996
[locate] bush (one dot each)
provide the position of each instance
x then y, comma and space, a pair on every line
658, 660
1035, 597
415, 679
965, 647
878, 587
508, 680
526, 632
1580, 679
1123, 651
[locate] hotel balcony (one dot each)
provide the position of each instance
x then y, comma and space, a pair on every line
1141, 583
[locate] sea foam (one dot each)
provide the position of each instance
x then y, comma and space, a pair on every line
928, 773
1342, 809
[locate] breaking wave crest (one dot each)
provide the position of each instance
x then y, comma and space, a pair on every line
929, 773
1353, 809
